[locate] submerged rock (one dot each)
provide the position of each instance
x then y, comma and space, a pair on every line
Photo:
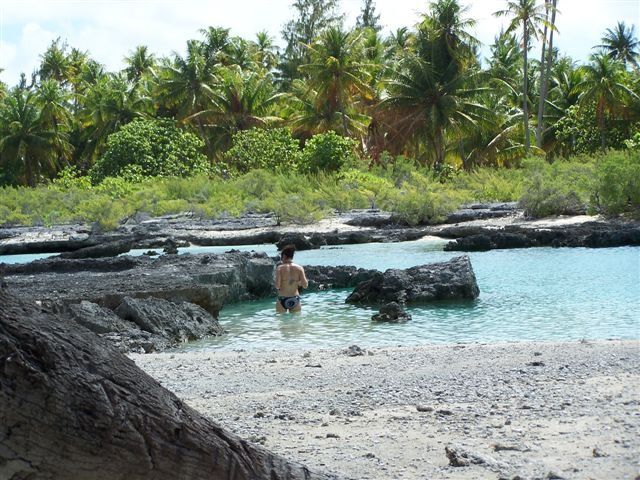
452, 280
391, 312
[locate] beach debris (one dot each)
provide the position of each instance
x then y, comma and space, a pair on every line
444, 412
424, 408
536, 363
597, 453
461, 457
353, 351
511, 447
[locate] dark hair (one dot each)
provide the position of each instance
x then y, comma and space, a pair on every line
288, 250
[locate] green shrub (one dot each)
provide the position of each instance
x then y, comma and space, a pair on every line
274, 150
562, 188
618, 183
327, 152
155, 147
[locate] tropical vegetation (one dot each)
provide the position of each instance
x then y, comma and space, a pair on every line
414, 121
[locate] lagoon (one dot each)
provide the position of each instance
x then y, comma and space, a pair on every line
536, 294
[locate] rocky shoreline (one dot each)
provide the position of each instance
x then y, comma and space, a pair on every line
478, 227
504, 411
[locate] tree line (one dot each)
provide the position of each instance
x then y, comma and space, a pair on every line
422, 92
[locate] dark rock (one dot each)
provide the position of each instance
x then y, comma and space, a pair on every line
96, 318
391, 312
589, 234
300, 241
109, 249
209, 281
452, 280
482, 211
322, 277
176, 321
354, 351
170, 247
369, 218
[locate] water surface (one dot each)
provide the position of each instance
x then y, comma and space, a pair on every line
541, 294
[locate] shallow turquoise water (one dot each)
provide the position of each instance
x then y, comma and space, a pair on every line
525, 294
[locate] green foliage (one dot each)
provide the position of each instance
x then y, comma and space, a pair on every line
274, 150
578, 131
563, 188
609, 184
327, 152
618, 183
157, 147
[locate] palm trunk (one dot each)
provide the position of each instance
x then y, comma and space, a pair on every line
601, 125
547, 74
525, 88
542, 78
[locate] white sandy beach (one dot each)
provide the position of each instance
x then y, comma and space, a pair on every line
517, 410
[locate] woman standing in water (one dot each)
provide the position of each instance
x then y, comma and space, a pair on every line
289, 276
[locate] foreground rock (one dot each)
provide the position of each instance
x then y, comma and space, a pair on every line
73, 407
452, 280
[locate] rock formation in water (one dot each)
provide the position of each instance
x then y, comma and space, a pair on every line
452, 280
73, 407
590, 234
391, 312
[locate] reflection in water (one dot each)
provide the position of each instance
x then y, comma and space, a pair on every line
527, 294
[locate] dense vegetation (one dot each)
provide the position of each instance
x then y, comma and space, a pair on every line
412, 122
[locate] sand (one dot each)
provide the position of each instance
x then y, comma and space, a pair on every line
516, 410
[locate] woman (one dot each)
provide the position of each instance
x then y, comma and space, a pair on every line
289, 276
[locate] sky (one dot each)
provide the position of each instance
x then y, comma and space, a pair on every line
110, 29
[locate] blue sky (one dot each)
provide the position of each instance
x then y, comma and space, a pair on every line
110, 29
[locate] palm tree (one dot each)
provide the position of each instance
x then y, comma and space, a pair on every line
336, 71
309, 113
431, 95
622, 44
139, 62
425, 102
528, 16
53, 101
265, 51
28, 146
184, 87
241, 100
55, 63
604, 85
108, 105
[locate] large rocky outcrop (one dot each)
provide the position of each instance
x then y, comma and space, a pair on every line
73, 407
144, 304
206, 280
452, 280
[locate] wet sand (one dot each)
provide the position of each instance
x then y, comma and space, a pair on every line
512, 410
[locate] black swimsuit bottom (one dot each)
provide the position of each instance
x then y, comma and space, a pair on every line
289, 303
